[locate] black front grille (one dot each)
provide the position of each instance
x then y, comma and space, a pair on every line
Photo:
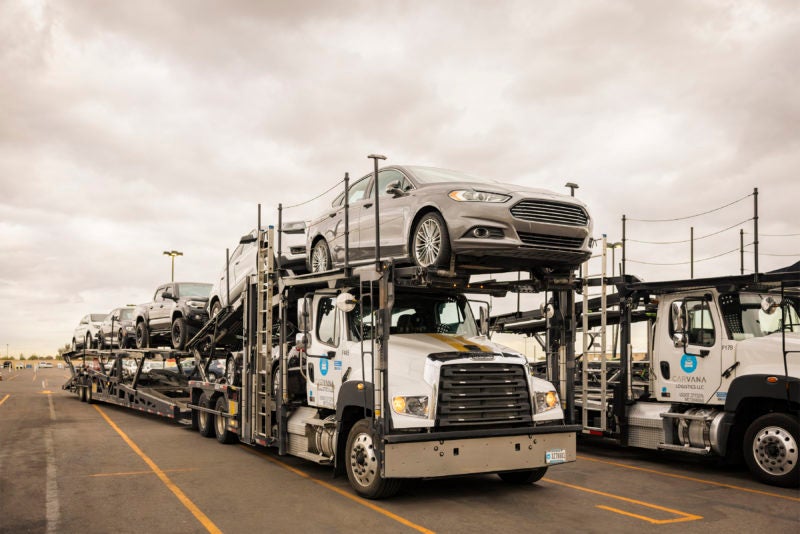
551, 241
483, 394
547, 211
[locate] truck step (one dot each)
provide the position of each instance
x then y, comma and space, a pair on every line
318, 458
702, 451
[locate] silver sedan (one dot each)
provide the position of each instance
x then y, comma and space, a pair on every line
432, 217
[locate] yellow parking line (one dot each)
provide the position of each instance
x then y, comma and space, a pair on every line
683, 516
134, 473
355, 498
691, 479
4, 399
196, 512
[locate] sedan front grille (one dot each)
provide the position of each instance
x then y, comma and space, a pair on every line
483, 394
547, 211
551, 241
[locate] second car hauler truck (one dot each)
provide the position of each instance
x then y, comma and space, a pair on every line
720, 376
384, 374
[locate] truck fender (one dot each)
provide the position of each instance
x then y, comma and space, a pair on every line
778, 387
351, 396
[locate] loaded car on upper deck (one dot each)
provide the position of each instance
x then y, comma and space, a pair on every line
428, 215
177, 311
85, 334
118, 328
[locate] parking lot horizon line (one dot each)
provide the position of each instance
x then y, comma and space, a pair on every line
343, 493
692, 479
191, 506
684, 516
5, 399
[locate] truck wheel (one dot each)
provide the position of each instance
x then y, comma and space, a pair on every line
223, 434
205, 420
363, 468
430, 242
528, 476
142, 335
320, 257
770, 449
179, 332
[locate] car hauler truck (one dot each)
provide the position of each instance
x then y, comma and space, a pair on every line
720, 376
384, 374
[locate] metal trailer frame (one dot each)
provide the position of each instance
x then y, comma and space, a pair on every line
95, 383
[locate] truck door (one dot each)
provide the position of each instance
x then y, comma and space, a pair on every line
688, 350
323, 362
156, 309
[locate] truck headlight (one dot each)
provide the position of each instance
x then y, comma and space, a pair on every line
470, 195
416, 406
196, 303
546, 400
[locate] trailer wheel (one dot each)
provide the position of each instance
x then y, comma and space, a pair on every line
363, 468
142, 335
205, 423
88, 389
82, 392
771, 449
179, 332
223, 434
528, 476
430, 242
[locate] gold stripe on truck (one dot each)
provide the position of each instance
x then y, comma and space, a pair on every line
460, 343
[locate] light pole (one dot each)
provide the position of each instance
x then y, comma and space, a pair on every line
172, 254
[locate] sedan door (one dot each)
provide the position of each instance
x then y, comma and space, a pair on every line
395, 214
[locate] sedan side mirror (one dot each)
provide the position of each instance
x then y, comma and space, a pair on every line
394, 190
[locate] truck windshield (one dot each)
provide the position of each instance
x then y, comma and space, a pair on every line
126, 314
193, 290
417, 313
744, 317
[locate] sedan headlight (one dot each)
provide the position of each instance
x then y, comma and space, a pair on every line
546, 401
196, 303
470, 195
416, 406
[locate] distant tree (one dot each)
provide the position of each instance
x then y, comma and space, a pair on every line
65, 348
21, 356
34, 356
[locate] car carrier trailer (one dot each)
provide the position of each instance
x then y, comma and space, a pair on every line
720, 375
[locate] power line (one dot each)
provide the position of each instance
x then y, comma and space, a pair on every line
685, 262
776, 235
688, 240
316, 197
692, 216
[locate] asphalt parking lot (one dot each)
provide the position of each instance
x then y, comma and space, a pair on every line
66, 466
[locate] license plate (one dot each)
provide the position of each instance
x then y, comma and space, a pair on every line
555, 456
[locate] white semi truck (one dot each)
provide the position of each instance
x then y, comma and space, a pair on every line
385, 375
720, 376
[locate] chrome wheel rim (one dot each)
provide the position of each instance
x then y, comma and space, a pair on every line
203, 419
428, 242
363, 460
176, 334
220, 422
775, 450
319, 258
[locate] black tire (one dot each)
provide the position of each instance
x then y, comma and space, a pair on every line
82, 392
142, 335
121, 340
363, 466
88, 341
205, 420
100, 343
320, 258
89, 399
528, 476
771, 449
430, 241
215, 308
179, 333
223, 434
74, 346
232, 374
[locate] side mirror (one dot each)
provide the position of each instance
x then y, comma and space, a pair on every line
301, 341
483, 322
394, 190
678, 316
246, 239
168, 295
769, 305
115, 317
304, 315
346, 302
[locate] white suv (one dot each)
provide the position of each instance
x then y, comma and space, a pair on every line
85, 334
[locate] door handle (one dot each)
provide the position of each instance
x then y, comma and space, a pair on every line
332, 215
368, 205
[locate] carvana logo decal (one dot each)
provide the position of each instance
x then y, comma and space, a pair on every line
688, 363
323, 366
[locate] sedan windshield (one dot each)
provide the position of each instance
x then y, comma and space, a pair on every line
432, 175
193, 290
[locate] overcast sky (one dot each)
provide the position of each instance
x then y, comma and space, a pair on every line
130, 128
